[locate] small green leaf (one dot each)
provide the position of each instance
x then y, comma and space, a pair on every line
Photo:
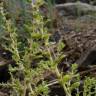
60, 46
74, 68
75, 85
66, 78
36, 35
59, 58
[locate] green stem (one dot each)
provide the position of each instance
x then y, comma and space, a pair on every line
64, 86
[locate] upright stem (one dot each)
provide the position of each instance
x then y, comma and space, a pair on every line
64, 86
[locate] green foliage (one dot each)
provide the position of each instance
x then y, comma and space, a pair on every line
34, 55
89, 86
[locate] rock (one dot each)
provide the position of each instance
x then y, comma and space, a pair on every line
88, 58
63, 1
66, 1
75, 9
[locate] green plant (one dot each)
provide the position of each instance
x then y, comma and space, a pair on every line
35, 55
